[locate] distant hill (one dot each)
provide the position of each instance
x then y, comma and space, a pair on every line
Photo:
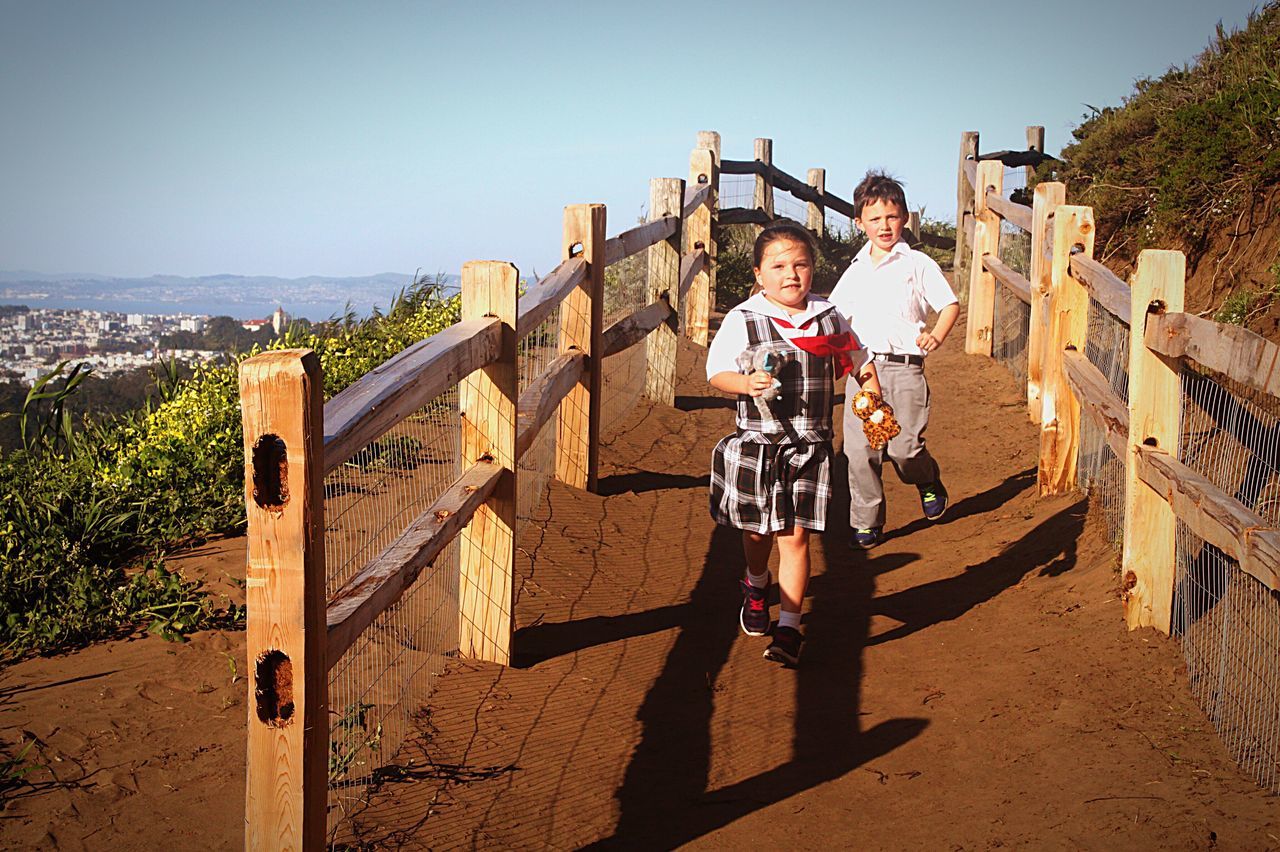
316, 297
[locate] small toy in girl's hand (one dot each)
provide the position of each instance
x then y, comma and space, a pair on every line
769, 358
878, 422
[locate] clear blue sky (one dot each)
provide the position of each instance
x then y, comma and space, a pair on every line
291, 139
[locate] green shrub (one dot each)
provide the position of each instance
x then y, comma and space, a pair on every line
81, 509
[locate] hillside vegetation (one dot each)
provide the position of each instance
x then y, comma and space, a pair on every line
1191, 161
87, 510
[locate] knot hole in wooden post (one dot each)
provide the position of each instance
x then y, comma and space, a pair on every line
273, 693
1078, 248
575, 250
271, 474
1157, 306
1150, 442
702, 178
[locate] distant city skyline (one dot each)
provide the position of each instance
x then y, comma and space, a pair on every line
341, 140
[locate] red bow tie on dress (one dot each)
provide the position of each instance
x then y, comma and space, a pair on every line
837, 346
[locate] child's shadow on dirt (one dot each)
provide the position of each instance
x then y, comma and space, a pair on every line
664, 797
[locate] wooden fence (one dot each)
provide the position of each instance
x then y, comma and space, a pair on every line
1061, 382
293, 439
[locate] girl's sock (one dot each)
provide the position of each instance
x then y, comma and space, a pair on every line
760, 581
789, 619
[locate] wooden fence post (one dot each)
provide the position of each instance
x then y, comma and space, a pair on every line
487, 397
581, 318
704, 168
817, 178
913, 225
1035, 142
1150, 525
964, 207
986, 240
762, 198
1048, 197
666, 198
1068, 323
282, 407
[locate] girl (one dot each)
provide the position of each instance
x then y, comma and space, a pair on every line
771, 479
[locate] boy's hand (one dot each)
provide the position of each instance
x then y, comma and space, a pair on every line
927, 342
758, 382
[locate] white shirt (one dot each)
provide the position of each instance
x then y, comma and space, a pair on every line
732, 339
887, 302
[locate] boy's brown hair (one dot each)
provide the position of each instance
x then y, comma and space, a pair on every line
878, 186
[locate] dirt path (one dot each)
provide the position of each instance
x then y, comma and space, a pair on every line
965, 685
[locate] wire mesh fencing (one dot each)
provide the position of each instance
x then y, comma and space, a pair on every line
377, 686
622, 383
737, 191
1228, 621
1100, 473
1010, 323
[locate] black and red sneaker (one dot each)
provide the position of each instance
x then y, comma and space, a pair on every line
785, 647
754, 617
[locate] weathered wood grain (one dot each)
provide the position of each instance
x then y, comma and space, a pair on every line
401, 385
1150, 527
384, 579
542, 397
1017, 285
1232, 350
544, 298
1213, 515
281, 403
639, 238
1010, 211
1095, 395
1106, 288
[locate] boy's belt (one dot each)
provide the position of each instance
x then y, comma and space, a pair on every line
914, 360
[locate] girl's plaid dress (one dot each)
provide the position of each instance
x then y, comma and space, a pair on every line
775, 474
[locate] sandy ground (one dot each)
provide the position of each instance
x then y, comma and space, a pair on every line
966, 685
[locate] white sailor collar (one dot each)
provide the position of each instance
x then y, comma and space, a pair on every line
760, 305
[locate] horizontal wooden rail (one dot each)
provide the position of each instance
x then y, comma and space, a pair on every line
690, 265
743, 216
1010, 211
384, 579
1018, 285
743, 167
1106, 288
1214, 516
798, 188
936, 241
632, 329
1232, 350
788, 183
1094, 392
544, 297
695, 196
639, 238
401, 385
543, 395
839, 205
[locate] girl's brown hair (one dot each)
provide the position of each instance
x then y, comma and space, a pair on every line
788, 231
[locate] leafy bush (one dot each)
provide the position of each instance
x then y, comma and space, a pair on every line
80, 509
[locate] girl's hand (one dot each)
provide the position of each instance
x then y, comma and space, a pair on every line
758, 382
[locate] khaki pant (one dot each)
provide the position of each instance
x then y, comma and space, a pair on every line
904, 387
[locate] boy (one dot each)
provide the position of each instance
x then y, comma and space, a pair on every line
886, 293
